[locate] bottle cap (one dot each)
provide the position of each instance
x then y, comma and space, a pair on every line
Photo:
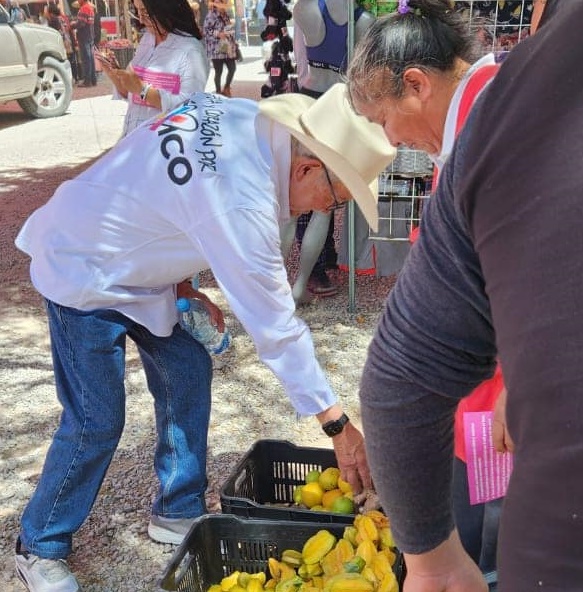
183, 305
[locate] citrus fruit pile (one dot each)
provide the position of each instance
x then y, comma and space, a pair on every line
325, 491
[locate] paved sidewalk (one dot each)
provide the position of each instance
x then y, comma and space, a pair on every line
93, 122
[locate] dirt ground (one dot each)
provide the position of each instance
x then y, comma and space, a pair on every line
112, 550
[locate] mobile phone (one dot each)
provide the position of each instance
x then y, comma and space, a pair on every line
108, 60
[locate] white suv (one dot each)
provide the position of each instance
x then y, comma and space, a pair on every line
34, 68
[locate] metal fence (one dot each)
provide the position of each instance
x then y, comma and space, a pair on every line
406, 184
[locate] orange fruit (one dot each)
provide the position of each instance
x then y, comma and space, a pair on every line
329, 497
312, 494
329, 478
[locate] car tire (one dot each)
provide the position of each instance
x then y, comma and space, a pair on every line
52, 93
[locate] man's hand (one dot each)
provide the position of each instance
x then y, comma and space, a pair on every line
447, 568
351, 457
185, 290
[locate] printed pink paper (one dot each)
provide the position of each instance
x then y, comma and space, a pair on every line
488, 470
161, 80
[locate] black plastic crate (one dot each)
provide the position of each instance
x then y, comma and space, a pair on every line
219, 544
264, 481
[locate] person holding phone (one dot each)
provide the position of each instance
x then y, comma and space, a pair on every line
169, 65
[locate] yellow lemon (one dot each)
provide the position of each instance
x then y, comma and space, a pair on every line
342, 505
329, 478
312, 476
329, 497
344, 486
312, 494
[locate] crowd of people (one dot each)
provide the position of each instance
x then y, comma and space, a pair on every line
484, 315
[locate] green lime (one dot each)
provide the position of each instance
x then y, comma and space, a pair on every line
298, 495
312, 476
342, 505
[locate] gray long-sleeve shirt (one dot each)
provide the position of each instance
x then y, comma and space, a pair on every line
501, 248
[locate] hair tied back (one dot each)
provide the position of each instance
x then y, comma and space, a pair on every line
403, 7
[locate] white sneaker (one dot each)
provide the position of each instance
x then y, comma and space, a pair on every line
169, 530
44, 575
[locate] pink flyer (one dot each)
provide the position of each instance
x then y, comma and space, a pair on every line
488, 470
163, 80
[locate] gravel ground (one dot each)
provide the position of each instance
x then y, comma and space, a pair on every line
112, 550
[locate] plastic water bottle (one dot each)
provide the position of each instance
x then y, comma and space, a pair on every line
196, 320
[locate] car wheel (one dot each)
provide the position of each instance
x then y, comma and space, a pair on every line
52, 93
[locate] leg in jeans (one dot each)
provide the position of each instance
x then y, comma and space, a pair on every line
492, 513
89, 361
327, 257
179, 373
313, 233
218, 66
89, 75
311, 251
72, 57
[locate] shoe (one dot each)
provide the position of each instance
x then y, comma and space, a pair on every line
85, 84
226, 91
44, 575
169, 530
320, 284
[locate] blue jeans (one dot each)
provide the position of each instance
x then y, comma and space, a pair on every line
89, 74
88, 351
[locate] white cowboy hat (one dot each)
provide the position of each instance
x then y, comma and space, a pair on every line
352, 147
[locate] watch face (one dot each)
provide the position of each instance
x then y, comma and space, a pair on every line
333, 428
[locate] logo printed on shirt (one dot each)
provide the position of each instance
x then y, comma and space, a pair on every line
203, 118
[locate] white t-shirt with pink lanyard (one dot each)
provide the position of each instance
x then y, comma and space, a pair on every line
176, 67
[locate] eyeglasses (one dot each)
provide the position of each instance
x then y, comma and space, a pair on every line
337, 205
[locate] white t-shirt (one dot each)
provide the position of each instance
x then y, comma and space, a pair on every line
204, 187
177, 56
453, 109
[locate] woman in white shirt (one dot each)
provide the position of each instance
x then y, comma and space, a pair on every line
169, 65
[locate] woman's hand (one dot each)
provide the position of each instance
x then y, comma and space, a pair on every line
447, 568
500, 435
114, 74
126, 81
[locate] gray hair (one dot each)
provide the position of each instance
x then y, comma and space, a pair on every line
298, 149
431, 37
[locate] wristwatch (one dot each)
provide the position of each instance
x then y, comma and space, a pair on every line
335, 427
145, 90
